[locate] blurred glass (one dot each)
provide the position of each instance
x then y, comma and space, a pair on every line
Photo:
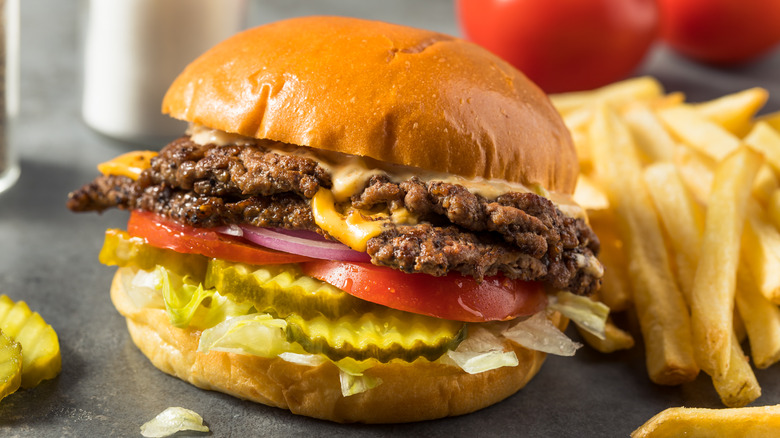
133, 51
9, 90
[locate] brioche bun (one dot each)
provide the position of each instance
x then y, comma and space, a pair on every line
409, 392
392, 93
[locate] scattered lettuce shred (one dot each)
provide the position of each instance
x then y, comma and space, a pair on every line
588, 314
171, 421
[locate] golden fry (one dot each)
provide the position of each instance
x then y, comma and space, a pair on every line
696, 170
698, 132
662, 312
642, 88
651, 137
763, 138
615, 289
734, 112
712, 297
753, 422
761, 252
761, 318
683, 219
738, 387
614, 339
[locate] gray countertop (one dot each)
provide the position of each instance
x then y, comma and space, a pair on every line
107, 388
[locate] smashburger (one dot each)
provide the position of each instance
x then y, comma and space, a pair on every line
364, 222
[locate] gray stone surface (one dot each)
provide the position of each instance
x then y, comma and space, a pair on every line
48, 258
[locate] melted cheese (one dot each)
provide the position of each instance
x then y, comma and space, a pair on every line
130, 164
353, 230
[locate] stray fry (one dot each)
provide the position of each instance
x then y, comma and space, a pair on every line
753, 422
662, 312
712, 297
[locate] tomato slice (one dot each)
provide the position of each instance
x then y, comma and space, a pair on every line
162, 232
453, 296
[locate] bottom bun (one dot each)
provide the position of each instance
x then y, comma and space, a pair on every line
409, 392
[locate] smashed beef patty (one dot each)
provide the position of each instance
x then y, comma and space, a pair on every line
521, 235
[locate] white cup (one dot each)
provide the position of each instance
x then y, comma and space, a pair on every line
134, 49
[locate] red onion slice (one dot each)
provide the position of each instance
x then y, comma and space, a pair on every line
297, 242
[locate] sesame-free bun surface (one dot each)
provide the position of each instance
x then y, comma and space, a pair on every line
415, 392
393, 93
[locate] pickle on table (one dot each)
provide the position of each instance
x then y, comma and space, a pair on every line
41, 359
10, 365
383, 335
281, 290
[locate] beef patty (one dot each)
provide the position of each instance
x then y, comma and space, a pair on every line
521, 235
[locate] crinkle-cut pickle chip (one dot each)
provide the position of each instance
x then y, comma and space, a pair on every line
10, 365
41, 358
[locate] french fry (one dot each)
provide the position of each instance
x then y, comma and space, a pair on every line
761, 252
765, 185
642, 88
772, 119
615, 289
752, 422
683, 220
761, 319
766, 140
773, 209
698, 132
649, 133
614, 338
696, 171
712, 297
735, 111
738, 387
663, 316
588, 195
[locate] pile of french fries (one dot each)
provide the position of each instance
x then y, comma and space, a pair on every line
686, 201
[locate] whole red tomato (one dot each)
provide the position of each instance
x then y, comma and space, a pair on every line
721, 31
564, 45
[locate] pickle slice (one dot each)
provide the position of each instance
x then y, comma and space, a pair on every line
10, 365
120, 249
41, 359
280, 290
382, 335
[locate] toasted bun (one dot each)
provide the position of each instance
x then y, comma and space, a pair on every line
409, 392
389, 92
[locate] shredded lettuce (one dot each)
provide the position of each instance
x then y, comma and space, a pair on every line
171, 421
142, 287
353, 381
311, 360
257, 334
588, 314
539, 333
189, 304
481, 351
